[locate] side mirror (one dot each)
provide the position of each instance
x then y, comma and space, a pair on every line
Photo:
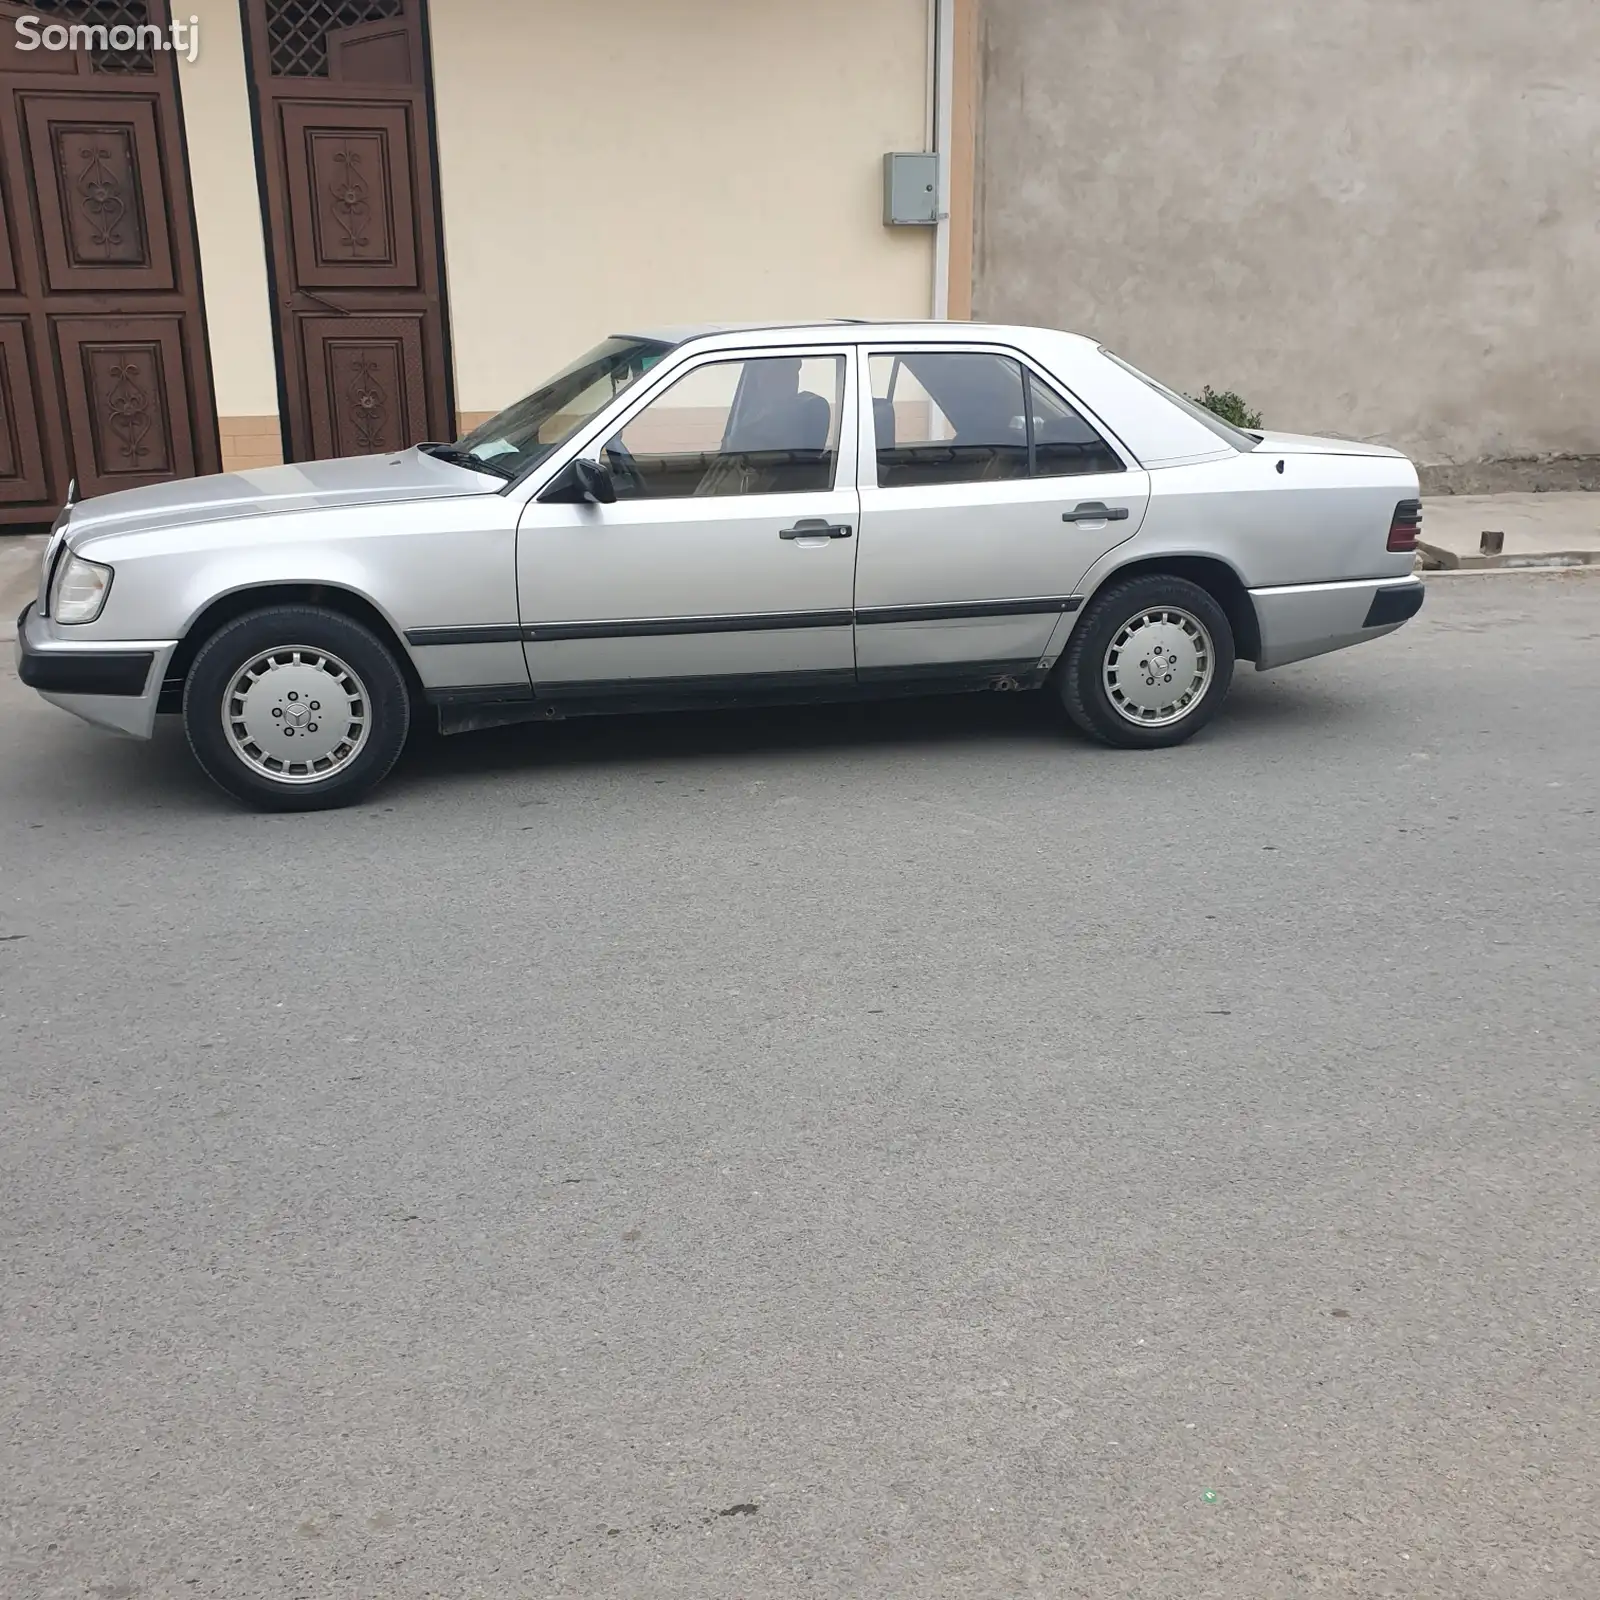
581, 483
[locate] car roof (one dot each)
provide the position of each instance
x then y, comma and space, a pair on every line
853, 329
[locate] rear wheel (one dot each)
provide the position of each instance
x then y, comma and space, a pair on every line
296, 708
1149, 663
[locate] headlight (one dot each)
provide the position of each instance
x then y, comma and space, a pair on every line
81, 588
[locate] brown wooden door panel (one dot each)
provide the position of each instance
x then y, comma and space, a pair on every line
103, 206
127, 394
352, 207
372, 52
367, 388
104, 371
22, 469
8, 259
342, 96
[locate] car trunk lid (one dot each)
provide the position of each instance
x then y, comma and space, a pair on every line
1309, 444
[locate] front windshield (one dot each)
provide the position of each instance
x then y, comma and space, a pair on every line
523, 434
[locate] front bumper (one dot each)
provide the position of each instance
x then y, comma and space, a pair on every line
114, 684
1298, 620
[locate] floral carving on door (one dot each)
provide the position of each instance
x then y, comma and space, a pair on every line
369, 408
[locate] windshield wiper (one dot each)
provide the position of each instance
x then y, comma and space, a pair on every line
465, 458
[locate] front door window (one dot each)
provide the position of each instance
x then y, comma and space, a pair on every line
765, 425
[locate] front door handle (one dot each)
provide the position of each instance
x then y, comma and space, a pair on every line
1094, 511
816, 528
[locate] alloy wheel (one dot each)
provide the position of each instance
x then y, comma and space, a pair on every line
296, 714
1158, 666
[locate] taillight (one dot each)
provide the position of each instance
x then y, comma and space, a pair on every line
1406, 526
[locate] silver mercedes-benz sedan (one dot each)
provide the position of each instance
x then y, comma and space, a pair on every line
727, 516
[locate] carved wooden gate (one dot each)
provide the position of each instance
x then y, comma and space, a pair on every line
342, 101
104, 373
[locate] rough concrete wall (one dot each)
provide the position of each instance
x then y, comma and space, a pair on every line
1379, 218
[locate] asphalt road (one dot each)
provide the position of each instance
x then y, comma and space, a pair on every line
887, 1152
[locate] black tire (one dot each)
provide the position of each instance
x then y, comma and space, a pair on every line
370, 744
1081, 677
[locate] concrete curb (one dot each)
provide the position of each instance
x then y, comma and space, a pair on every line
1525, 570
1435, 558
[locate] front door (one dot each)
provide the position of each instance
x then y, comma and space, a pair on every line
341, 94
727, 562
104, 375
985, 496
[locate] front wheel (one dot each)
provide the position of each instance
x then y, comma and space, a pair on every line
296, 708
1149, 663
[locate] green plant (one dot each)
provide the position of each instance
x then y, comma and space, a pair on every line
1229, 406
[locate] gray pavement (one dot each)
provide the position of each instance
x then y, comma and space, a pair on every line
887, 1152
19, 579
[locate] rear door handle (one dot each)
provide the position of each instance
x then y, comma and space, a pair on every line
1094, 511
816, 528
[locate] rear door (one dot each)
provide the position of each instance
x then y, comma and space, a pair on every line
985, 495
727, 562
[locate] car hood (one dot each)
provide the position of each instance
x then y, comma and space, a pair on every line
1308, 444
308, 485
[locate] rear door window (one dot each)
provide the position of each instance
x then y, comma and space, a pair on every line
948, 417
1065, 444
968, 416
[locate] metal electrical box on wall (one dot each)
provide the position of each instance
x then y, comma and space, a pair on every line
910, 188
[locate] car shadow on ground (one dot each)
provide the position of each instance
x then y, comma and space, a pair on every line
1254, 708
78, 768
776, 731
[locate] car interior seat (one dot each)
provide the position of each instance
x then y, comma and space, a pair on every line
780, 447
883, 423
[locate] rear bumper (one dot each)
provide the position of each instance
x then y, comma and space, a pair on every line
1309, 619
114, 685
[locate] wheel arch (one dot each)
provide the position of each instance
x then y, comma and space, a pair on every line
225, 608
1220, 580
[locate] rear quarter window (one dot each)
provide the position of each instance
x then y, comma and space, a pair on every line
1225, 431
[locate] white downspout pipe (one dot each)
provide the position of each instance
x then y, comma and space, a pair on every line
942, 40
